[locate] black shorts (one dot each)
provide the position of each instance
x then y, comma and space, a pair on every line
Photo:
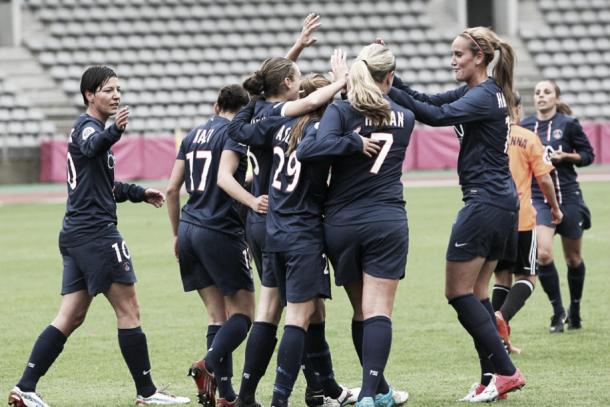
95, 265
208, 257
379, 249
576, 218
255, 235
525, 263
483, 230
301, 275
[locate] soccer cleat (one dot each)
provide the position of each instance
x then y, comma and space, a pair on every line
557, 322
222, 402
314, 398
385, 400
161, 398
400, 397
504, 332
347, 397
241, 403
19, 398
574, 321
475, 389
499, 386
366, 402
206, 384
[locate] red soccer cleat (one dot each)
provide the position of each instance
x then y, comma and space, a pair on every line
206, 383
499, 386
504, 332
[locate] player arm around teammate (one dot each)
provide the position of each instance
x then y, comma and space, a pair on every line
566, 146
481, 118
95, 256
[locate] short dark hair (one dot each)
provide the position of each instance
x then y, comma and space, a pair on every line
232, 98
94, 78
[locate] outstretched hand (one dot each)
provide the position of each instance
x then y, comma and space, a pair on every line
310, 25
154, 197
338, 64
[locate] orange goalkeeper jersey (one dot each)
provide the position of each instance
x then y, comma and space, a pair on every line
526, 159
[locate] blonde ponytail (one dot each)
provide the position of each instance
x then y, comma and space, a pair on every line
374, 62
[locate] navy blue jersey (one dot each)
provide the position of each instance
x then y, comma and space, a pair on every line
366, 189
296, 190
481, 122
259, 153
92, 191
561, 133
209, 205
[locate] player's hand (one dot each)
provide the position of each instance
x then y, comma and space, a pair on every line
310, 25
556, 216
176, 247
558, 156
379, 41
121, 118
338, 64
370, 147
260, 204
154, 197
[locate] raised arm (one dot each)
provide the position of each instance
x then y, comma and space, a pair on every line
253, 134
321, 96
473, 106
229, 161
437, 99
306, 38
92, 141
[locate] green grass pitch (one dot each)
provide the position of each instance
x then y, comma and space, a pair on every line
432, 356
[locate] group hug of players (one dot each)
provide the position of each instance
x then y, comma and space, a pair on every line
326, 184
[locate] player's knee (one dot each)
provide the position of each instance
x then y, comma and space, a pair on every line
573, 260
545, 255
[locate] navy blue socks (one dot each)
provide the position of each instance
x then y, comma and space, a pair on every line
576, 281
550, 283
46, 349
318, 352
135, 352
289, 358
224, 372
376, 345
259, 349
519, 293
476, 319
498, 296
357, 337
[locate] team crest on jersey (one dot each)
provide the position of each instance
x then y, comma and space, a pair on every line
88, 131
557, 134
111, 161
126, 266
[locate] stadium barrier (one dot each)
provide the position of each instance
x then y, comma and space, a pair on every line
152, 157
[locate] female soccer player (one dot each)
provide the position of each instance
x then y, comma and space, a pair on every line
479, 111
365, 222
294, 270
210, 243
95, 256
527, 161
567, 146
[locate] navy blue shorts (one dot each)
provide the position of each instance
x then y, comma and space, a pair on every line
95, 265
208, 257
255, 235
378, 249
483, 230
525, 263
267, 276
302, 274
576, 218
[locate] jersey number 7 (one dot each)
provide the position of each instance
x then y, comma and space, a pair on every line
388, 139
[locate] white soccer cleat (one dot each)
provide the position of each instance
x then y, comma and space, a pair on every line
400, 397
475, 390
499, 386
162, 398
19, 398
347, 397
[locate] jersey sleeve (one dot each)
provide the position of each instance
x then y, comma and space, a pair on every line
580, 143
233, 145
93, 141
473, 106
312, 147
181, 151
132, 192
254, 134
436, 99
536, 158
